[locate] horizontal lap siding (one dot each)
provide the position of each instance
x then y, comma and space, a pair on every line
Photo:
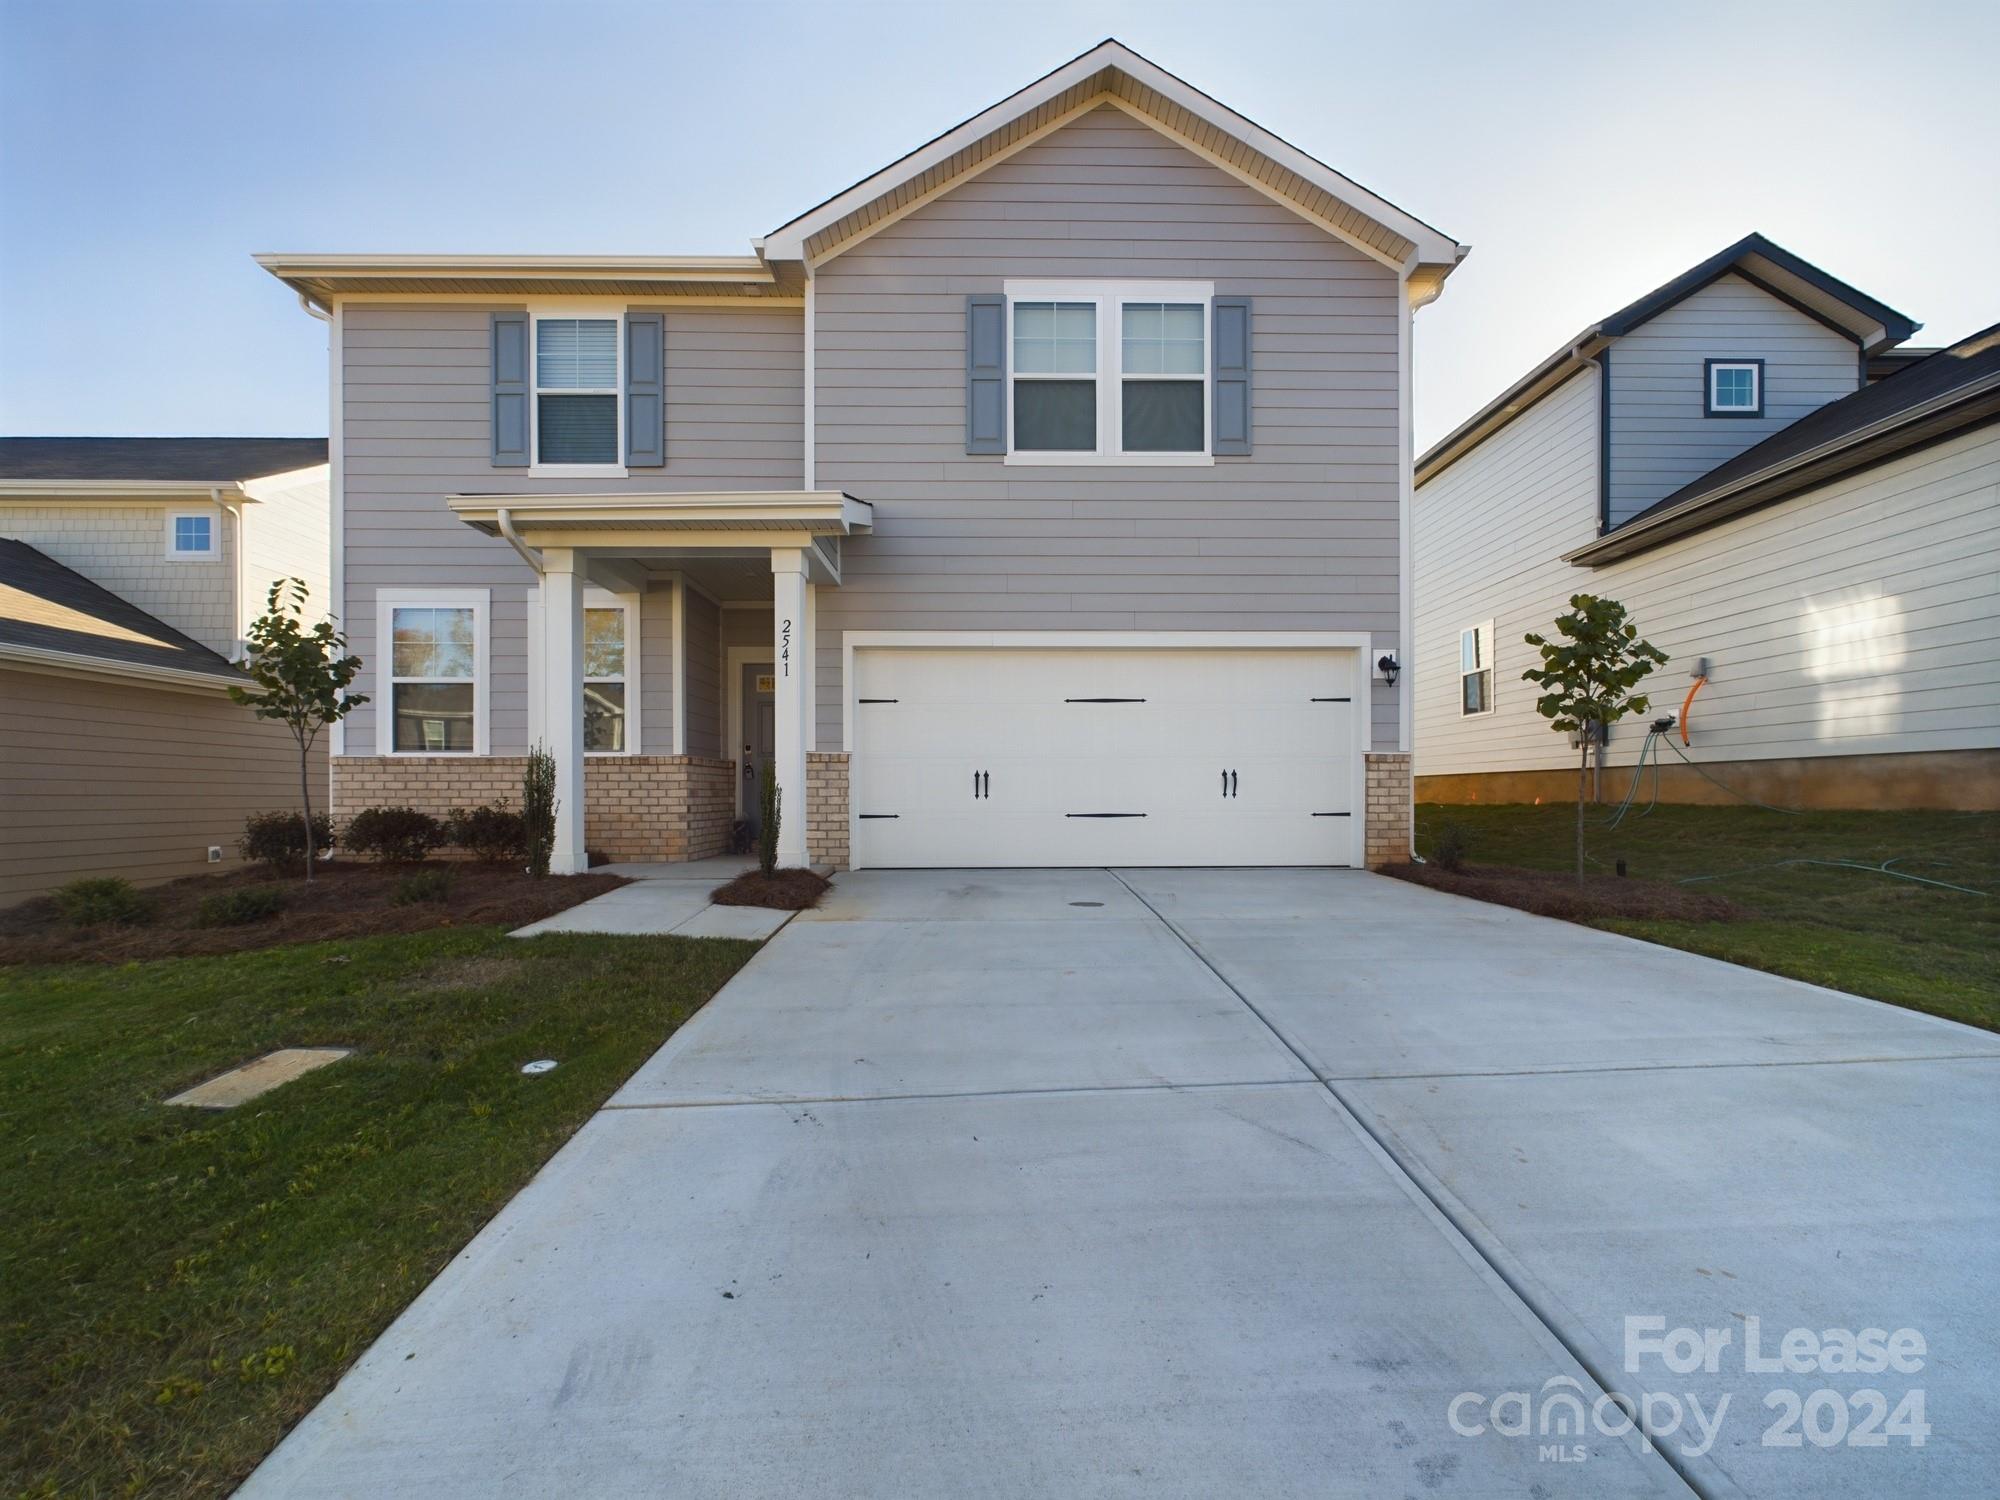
1860, 618
105, 778
416, 430
1300, 536
1661, 437
286, 537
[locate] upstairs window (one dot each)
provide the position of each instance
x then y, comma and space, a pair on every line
1475, 671
191, 534
576, 392
1109, 372
1735, 387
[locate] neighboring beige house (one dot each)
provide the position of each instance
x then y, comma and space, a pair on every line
1805, 516
1039, 500
129, 569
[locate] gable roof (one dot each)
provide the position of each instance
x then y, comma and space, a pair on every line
1955, 389
51, 615
1770, 267
1112, 73
177, 460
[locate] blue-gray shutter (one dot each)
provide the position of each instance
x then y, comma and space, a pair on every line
645, 390
986, 373
1232, 377
510, 389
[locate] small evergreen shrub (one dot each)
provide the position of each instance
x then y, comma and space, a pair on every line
490, 833
103, 901
397, 835
240, 907
769, 797
538, 809
277, 840
423, 888
1454, 842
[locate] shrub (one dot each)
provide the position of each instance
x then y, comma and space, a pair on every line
538, 809
278, 839
768, 810
1454, 842
240, 907
104, 900
423, 887
401, 835
489, 833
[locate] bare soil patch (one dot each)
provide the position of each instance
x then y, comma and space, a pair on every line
1549, 893
781, 890
344, 899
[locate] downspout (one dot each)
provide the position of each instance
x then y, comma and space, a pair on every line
528, 554
314, 308
237, 622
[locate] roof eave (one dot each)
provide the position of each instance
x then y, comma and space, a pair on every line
40, 658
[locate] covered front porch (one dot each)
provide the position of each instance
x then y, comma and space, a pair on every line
723, 584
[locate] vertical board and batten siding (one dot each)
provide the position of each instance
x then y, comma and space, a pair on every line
416, 418
111, 778
1300, 535
1661, 435
1859, 618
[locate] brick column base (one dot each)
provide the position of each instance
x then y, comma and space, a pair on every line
1388, 810
826, 807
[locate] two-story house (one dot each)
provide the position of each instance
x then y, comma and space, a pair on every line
129, 570
1040, 500
1802, 512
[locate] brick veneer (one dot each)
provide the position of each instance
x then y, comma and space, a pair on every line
655, 807
826, 807
1388, 809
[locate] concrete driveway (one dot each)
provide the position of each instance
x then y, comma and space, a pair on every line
1211, 1183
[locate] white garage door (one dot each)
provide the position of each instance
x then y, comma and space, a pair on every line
1091, 756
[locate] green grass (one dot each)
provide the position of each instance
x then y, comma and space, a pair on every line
177, 1286
1930, 949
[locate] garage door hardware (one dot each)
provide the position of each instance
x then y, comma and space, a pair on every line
1104, 815
878, 700
1333, 815
1330, 700
1229, 783
982, 784
870, 816
1104, 700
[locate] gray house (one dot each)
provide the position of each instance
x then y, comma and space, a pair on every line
1802, 510
1039, 500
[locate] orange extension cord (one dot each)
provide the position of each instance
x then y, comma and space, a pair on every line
1685, 702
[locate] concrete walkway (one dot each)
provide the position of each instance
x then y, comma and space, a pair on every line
1204, 1183
666, 899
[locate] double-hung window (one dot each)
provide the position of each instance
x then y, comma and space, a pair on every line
576, 403
609, 665
1475, 670
1735, 387
1109, 372
434, 698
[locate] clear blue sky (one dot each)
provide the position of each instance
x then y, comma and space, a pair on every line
1587, 152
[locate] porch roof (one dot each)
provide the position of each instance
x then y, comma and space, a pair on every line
744, 517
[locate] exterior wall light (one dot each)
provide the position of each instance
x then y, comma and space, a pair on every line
1386, 665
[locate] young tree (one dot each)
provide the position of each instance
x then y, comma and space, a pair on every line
301, 678
1587, 680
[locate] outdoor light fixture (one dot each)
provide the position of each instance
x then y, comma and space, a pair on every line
1386, 665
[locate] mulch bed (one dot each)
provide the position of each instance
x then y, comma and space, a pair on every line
1549, 893
781, 890
345, 899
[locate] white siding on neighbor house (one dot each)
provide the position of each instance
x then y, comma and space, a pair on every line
416, 382
1301, 535
1661, 435
123, 548
1859, 618
287, 535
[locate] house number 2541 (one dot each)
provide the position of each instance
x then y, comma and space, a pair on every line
785, 648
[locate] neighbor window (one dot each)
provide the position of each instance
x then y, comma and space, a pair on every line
1109, 371
191, 534
576, 391
604, 719
433, 689
1735, 387
1475, 670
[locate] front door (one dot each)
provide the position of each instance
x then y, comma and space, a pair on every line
759, 733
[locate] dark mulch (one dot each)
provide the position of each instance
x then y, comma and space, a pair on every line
1549, 893
344, 899
781, 890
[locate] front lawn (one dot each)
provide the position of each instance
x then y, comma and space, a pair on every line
177, 1287
1917, 945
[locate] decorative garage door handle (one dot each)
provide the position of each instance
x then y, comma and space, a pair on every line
1229, 783
982, 784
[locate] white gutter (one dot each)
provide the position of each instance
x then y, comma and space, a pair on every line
505, 519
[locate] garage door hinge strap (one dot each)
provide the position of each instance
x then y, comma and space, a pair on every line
1104, 815
1104, 700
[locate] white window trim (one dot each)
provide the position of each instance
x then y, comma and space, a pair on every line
214, 518
387, 601
597, 598
537, 311
1109, 298
1756, 406
1490, 669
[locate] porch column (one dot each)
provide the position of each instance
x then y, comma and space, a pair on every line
794, 671
562, 664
